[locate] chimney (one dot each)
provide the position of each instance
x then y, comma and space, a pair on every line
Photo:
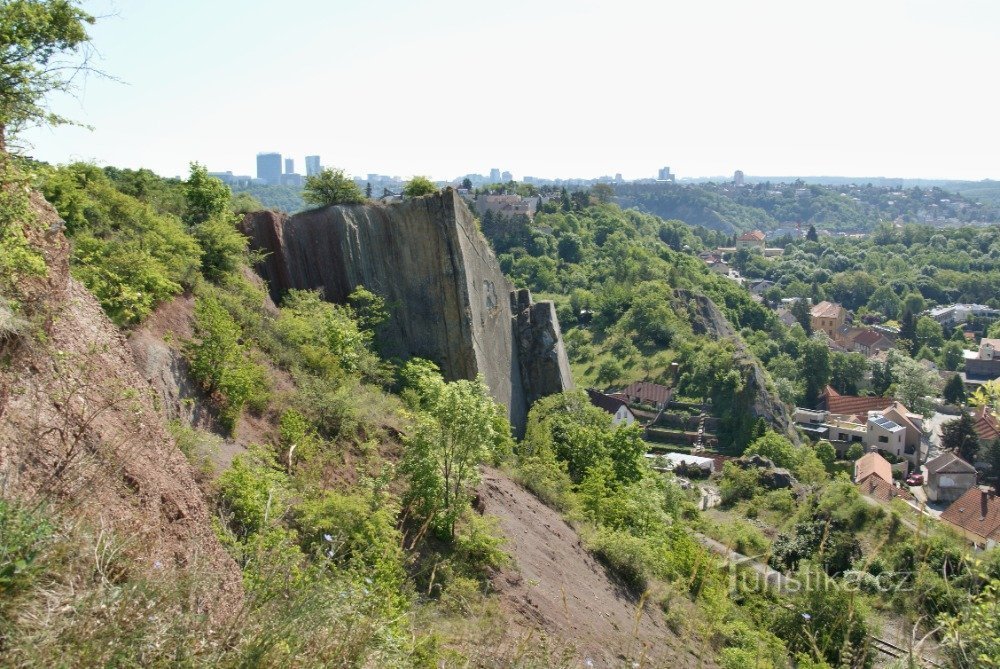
985, 494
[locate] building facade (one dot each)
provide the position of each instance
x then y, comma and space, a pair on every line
269, 168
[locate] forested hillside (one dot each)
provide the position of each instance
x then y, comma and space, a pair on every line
767, 206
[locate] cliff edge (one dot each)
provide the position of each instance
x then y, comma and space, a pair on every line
449, 301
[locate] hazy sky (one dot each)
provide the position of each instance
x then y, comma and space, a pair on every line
544, 87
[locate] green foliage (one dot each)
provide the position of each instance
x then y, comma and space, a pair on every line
221, 362
826, 453
224, 249
581, 435
418, 186
847, 372
960, 436
326, 336
24, 534
331, 187
954, 390
972, 637
254, 492
739, 484
458, 427
19, 260
776, 448
125, 252
40, 38
855, 451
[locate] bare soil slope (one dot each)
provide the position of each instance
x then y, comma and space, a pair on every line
557, 586
79, 426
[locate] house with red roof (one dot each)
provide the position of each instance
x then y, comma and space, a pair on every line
987, 424
616, 406
869, 342
751, 240
976, 516
648, 393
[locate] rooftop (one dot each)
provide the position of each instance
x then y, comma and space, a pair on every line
852, 404
755, 236
606, 402
976, 511
949, 463
647, 392
826, 309
872, 464
873, 486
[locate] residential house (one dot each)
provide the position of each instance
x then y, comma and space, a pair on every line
948, 477
616, 406
869, 342
872, 464
719, 267
751, 240
873, 478
650, 394
760, 286
982, 365
913, 424
827, 317
976, 516
786, 316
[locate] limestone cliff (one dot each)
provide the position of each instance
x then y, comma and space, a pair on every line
449, 300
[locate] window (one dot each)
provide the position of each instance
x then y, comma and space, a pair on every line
883, 439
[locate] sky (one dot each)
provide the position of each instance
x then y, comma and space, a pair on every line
547, 88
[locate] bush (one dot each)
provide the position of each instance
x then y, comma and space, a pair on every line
24, 535
419, 186
220, 362
254, 492
331, 187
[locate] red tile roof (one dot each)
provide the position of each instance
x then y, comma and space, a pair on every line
755, 236
873, 486
987, 424
851, 405
977, 512
646, 392
872, 464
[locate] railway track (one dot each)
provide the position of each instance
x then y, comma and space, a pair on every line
895, 652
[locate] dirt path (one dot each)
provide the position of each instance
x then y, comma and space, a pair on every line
557, 586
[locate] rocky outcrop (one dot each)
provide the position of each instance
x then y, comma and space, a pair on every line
761, 400
449, 301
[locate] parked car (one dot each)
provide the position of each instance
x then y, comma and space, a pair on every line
915, 479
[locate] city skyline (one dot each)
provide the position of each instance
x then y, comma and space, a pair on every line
768, 88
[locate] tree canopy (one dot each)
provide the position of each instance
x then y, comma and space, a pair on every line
331, 186
43, 49
418, 186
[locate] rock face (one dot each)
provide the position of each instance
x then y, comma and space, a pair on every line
761, 401
449, 301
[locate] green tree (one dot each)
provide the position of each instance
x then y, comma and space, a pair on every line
800, 309
855, 451
914, 383
368, 190
991, 454
776, 448
812, 235
44, 47
467, 183
960, 436
847, 372
815, 368
330, 187
206, 197
418, 186
459, 427
885, 301
954, 390
826, 453
928, 332
952, 355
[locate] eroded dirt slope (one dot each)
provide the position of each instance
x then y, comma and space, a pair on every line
79, 427
557, 586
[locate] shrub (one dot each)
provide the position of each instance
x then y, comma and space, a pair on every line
254, 492
419, 186
331, 187
24, 535
220, 362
